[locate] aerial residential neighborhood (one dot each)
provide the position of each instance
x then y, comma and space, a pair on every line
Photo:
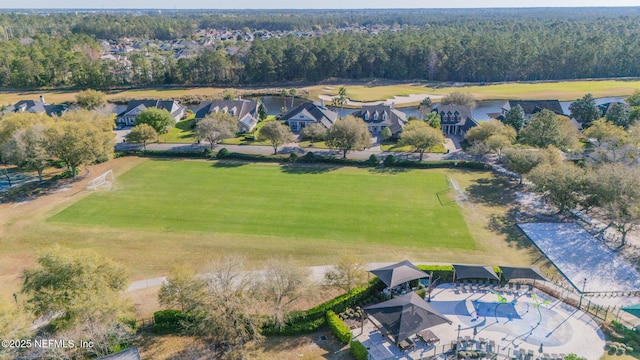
352, 183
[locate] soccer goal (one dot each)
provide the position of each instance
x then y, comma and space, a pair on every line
460, 195
105, 180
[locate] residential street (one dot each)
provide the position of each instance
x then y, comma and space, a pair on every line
453, 145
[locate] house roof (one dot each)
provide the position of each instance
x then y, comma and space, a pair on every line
464, 114
604, 108
243, 107
34, 106
321, 114
249, 122
531, 107
172, 106
394, 118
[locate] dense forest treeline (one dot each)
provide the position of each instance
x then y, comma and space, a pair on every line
64, 49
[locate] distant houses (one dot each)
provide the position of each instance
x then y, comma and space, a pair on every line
246, 111
381, 116
309, 113
135, 107
35, 106
455, 119
531, 107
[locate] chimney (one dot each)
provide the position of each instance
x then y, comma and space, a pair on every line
393, 104
42, 99
322, 103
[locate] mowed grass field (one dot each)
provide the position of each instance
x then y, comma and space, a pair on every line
311, 203
561, 90
186, 212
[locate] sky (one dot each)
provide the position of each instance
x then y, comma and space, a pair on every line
304, 4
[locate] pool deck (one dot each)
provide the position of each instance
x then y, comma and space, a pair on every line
527, 320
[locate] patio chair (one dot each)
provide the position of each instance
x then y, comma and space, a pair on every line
555, 357
546, 356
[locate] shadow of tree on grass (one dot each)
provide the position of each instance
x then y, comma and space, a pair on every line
493, 192
228, 164
300, 169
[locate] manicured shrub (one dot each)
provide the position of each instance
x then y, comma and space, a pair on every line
293, 157
373, 160
358, 350
390, 160
338, 327
308, 158
222, 153
169, 321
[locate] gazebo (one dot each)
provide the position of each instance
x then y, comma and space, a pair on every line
405, 316
474, 272
399, 273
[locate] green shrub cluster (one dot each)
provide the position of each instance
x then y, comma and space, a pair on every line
222, 153
300, 322
390, 160
444, 272
338, 327
622, 338
617, 348
358, 350
170, 321
373, 160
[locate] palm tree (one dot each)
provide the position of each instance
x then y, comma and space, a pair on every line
292, 93
284, 93
341, 99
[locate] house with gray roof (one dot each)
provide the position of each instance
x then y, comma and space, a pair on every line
455, 119
381, 116
135, 107
531, 107
246, 111
35, 106
309, 113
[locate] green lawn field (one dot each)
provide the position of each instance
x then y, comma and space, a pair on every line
343, 204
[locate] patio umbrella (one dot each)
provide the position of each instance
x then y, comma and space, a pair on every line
399, 273
633, 310
405, 316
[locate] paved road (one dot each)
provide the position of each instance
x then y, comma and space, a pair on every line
455, 152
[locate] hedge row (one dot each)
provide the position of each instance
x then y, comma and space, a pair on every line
338, 327
200, 154
308, 158
300, 322
444, 272
359, 351
390, 161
